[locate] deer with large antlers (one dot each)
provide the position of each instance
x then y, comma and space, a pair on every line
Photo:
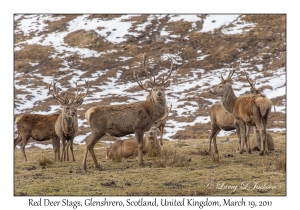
124, 119
252, 110
66, 125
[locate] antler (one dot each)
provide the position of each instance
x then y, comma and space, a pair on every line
151, 80
252, 84
171, 69
231, 73
79, 98
136, 78
55, 94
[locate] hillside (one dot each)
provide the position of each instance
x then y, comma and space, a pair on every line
106, 49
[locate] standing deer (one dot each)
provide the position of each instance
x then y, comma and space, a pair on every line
250, 110
38, 127
124, 119
129, 148
66, 126
220, 119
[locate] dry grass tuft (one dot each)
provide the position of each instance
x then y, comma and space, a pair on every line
117, 158
171, 157
215, 158
281, 165
153, 152
45, 161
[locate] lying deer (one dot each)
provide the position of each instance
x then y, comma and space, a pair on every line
252, 110
38, 127
129, 148
66, 125
124, 119
255, 141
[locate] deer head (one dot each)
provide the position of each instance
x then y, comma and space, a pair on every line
156, 90
225, 84
69, 107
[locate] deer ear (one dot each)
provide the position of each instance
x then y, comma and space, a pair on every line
167, 84
149, 84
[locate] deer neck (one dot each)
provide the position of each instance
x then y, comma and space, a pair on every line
157, 108
228, 100
67, 125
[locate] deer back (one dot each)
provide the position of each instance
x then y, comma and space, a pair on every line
115, 149
248, 105
38, 127
120, 120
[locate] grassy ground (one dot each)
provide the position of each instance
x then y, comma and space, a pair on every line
182, 169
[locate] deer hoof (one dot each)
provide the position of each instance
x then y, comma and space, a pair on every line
142, 164
261, 153
98, 167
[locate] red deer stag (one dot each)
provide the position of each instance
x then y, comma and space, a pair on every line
129, 148
124, 119
250, 110
38, 127
66, 126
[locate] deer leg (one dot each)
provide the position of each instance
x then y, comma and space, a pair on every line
243, 136
214, 132
90, 143
25, 139
238, 133
161, 130
264, 143
139, 137
265, 137
17, 140
67, 150
261, 126
63, 155
56, 148
248, 129
71, 148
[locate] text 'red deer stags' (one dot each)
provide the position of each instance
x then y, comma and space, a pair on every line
124, 119
252, 110
66, 126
